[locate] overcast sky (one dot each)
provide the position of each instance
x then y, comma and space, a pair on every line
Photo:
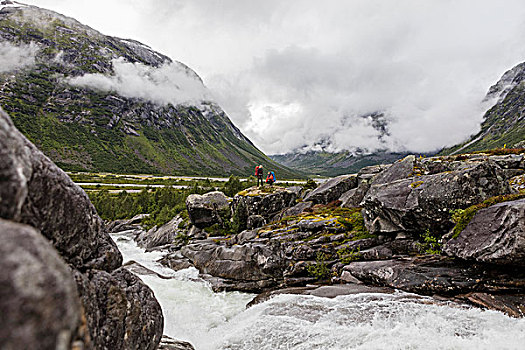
292, 74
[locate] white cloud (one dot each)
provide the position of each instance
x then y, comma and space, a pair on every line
14, 57
170, 83
294, 73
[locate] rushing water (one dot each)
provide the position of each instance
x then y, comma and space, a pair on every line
210, 320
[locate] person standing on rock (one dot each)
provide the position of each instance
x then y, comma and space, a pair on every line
259, 174
270, 178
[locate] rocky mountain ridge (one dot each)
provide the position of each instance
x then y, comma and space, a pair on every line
99, 103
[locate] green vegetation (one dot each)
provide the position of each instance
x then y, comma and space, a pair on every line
319, 269
346, 256
430, 243
462, 217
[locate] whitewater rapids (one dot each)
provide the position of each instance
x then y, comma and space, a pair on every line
208, 320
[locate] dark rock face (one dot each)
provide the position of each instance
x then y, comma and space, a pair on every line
203, 210
267, 205
423, 202
430, 275
332, 189
118, 310
494, 235
252, 262
122, 310
38, 296
163, 235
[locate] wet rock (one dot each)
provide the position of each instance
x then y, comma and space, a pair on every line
422, 203
163, 235
248, 262
121, 311
511, 304
176, 261
430, 275
124, 225
332, 189
168, 343
494, 235
204, 210
38, 297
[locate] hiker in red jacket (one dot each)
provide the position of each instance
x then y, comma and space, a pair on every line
259, 174
270, 178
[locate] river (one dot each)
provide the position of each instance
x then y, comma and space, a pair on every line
208, 320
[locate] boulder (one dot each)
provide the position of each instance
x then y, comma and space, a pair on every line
354, 197
252, 262
258, 202
423, 202
121, 312
36, 192
158, 236
204, 210
431, 275
168, 343
332, 189
38, 296
255, 221
494, 235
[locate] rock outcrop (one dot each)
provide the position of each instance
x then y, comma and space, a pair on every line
116, 308
332, 189
414, 197
204, 210
494, 235
38, 296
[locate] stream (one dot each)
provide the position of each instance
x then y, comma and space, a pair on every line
208, 320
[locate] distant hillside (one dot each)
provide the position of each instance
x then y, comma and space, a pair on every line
333, 164
504, 123
99, 103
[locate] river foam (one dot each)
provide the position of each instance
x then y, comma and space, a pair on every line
365, 321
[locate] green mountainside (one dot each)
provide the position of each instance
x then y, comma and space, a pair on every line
334, 164
87, 129
504, 123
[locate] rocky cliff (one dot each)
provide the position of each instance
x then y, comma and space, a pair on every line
62, 281
450, 227
100, 103
504, 123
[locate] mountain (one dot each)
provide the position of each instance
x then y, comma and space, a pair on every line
333, 164
93, 102
504, 123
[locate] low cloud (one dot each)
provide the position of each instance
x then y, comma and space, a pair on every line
14, 57
170, 83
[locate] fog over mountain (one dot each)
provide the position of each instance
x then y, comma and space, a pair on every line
293, 75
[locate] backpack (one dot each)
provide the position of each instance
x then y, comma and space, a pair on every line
256, 169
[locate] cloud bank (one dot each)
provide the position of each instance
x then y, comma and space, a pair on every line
170, 83
14, 57
296, 74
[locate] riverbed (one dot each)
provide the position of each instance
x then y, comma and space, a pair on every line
208, 320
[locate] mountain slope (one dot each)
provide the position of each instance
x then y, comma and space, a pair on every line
100, 103
504, 123
334, 164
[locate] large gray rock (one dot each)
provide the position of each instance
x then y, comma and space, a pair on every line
256, 202
204, 210
332, 189
420, 203
158, 236
38, 297
354, 197
494, 235
36, 192
121, 312
251, 262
